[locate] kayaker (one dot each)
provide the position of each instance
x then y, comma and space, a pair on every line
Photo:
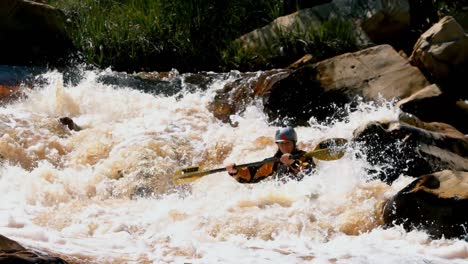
290, 163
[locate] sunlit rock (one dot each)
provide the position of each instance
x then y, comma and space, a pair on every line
370, 73
436, 202
314, 90
370, 17
442, 52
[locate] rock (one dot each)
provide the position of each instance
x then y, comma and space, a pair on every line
32, 33
306, 90
290, 6
12, 252
306, 59
9, 93
236, 94
311, 90
442, 53
371, 73
437, 127
70, 123
372, 22
432, 105
375, 21
435, 202
385, 19
399, 148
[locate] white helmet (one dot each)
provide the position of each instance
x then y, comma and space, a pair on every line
286, 133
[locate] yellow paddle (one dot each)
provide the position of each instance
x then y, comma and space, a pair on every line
329, 149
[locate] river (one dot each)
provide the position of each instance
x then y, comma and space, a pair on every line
104, 194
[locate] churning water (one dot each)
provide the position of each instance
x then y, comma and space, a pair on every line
104, 194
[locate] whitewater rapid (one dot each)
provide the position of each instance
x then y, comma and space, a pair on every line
104, 194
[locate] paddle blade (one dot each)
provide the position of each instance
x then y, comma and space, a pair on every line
329, 149
326, 154
187, 175
190, 174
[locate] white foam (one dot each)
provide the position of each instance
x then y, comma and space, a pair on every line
81, 193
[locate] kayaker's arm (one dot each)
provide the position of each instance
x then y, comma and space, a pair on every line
252, 174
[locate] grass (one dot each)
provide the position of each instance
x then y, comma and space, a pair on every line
191, 36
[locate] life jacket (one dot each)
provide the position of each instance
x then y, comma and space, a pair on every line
281, 172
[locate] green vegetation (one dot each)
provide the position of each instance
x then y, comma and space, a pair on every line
456, 9
193, 35
198, 35
137, 35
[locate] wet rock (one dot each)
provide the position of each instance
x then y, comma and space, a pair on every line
432, 105
32, 33
299, 96
70, 123
399, 148
438, 127
147, 82
435, 202
242, 90
12, 252
9, 93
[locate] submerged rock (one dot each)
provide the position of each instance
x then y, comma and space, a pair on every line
67, 121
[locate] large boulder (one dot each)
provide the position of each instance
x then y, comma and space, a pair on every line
442, 53
436, 127
32, 33
375, 21
371, 74
432, 105
318, 90
386, 21
435, 202
398, 148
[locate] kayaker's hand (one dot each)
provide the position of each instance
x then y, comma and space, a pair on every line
287, 159
231, 169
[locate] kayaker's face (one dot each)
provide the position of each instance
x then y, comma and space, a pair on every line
286, 146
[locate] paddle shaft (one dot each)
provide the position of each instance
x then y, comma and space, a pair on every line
330, 149
192, 174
